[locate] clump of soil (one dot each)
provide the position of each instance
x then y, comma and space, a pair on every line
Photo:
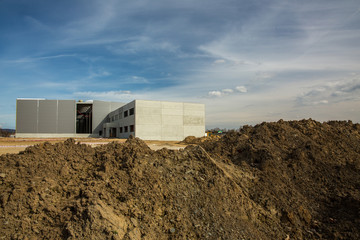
284, 180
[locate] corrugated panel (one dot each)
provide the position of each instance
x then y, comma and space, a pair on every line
66, 116
47, 122
26, 116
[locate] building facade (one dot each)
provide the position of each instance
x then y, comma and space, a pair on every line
156, 120
148, 120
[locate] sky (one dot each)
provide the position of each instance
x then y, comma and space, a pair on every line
247, 61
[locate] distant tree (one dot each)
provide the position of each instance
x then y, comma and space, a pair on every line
4, 133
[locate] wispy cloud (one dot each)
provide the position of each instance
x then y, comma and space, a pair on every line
35, 59
122, 95
332, 92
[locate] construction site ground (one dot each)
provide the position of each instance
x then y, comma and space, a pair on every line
16, 145
280, 180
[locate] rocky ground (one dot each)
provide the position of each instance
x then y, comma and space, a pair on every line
283, 180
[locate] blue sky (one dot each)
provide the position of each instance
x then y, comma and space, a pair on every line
248, 61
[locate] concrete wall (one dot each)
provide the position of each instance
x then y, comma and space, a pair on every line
101, 109
118, 120
172, 121
194, 120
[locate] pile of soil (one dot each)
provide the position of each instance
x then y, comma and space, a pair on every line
284, 180
195, 140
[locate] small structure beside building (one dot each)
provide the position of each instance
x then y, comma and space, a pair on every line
148, 120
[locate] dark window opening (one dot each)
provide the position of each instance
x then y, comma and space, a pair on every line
126, 113
126, 129
100, 133
131, 111
132, 128
84, 118
121, 129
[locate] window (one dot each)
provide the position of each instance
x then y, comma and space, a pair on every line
112, 118
132, 128
126, 129
100, 133
121, 129
125, 114
131, 111
116, 117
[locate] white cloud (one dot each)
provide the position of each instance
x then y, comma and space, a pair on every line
227, 91
324, 101
214, 94
241, 89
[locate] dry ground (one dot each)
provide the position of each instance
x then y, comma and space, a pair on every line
16, 145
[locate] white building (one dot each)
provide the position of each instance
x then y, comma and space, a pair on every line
156, 120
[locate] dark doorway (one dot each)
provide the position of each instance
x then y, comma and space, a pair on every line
113, 132
83, 118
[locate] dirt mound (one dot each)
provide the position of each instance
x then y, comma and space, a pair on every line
284, 180
195, 140
306, 174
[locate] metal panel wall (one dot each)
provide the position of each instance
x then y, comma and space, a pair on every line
47, 116
26, 116
66, 116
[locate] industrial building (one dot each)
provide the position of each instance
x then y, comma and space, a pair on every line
148, 120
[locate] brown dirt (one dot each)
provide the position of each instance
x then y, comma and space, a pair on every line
284, 180
16, 145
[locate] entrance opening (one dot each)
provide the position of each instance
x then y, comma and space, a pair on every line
113, 132
83, 118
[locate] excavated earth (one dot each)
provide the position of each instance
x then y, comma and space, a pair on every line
282, 180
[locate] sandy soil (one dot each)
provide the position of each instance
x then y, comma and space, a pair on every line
16, 145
